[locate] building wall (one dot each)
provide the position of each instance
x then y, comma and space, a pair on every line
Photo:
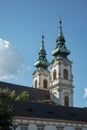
28, 124
34, 127
62, 85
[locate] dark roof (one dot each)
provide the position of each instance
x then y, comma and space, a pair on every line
49, 111
34, 94
41, 110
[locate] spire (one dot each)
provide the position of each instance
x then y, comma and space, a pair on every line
60, 51
42, 62
60, 34
42, 44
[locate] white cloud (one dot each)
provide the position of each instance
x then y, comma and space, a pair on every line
85, 92
11, 62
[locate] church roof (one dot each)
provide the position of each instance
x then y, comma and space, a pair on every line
34, 109
34, 93
49, 111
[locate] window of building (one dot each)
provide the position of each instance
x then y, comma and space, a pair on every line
65, 73
45, 83
78, 128
24, 128
40, 127
66, 101
54, 75
60, 128
35, 83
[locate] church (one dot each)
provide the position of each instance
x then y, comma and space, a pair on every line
50, 105
59, 81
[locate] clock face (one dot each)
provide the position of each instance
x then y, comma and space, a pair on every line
65, 63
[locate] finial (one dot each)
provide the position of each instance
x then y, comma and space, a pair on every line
60, 20
42, 37
60, 34
42, 44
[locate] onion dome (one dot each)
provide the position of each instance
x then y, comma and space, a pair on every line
42, 62
60, 51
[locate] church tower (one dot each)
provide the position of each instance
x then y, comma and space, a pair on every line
61, 85
41, 76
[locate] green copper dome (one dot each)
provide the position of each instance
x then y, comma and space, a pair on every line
42, 62
60, 51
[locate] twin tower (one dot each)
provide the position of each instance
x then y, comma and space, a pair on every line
59, 80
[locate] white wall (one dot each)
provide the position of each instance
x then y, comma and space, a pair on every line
32, 127
48, 127
84, 129
69, 128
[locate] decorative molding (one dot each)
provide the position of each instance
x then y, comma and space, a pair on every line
52, 122
66, 94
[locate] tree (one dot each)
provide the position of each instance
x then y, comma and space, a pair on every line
24, 96
6, 110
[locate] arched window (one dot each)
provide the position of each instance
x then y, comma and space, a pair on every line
35, 83
66, 101
65, 73
45, 83
54, 75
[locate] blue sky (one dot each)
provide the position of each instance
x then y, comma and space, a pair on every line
21, 25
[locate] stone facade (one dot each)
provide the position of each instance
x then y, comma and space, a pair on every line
61, 81
41, 124
41, 79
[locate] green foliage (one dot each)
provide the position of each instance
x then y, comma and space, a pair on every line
6, 110
13, 94
24, 96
